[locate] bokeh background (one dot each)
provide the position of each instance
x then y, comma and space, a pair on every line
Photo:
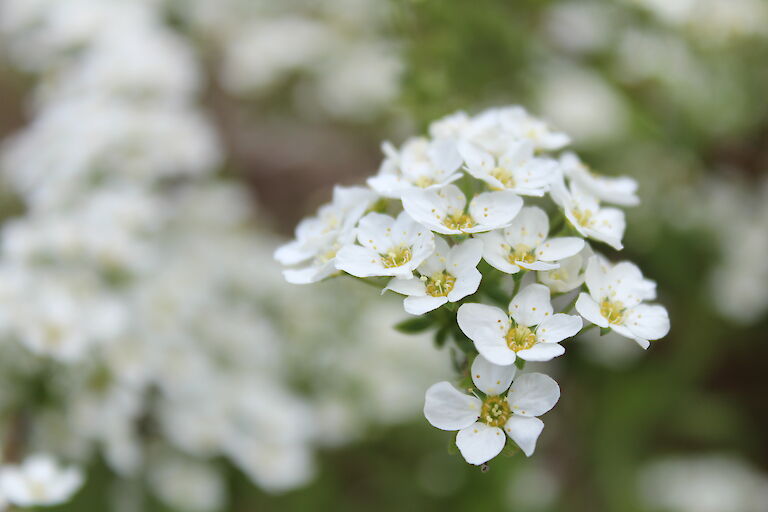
156, 151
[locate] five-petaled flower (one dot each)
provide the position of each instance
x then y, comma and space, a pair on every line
530, 331
388, 247
615, 301
482, 422
449, 275
420, 164
445, 211
524, 244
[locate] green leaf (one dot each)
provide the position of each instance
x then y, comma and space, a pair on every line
415, 325
442, 335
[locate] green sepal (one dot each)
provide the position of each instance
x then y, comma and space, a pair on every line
520, 363
604, 331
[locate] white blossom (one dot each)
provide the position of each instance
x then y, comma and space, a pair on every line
615, 301
39, 481
531, 330
525, 244
482, 422
419, 164
445, 211
448, 275
388, 247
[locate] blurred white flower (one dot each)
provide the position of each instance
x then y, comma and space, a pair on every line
39, 481
704, 483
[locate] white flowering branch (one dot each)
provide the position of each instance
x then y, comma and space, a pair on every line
476, 190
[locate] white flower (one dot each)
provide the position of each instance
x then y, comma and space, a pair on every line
615, 300
570, 274
39, 481
420, 163
517, 169
480, 421
532, 333
518, 122
585, 214
450, 274
443, 210
621, 190
388, 247
524, 244
319, 238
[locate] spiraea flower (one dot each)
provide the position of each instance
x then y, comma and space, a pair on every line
587, 216
502, 404
480, 186
449, 275
388, 247
525, 244
445, 211
517, 169
420, 164
531, 330
39, 481
319, 238
615, 301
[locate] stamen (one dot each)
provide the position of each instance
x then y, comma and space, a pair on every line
458, 221
396, 257
520, 338
495, 411
613, 311
440, 284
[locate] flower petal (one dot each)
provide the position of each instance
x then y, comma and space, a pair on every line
496, 252
487, 327
524, 432
447, 408
531, 305
530, 227
421, 305
360, 261
464, 256
466, 283
588, 308
479, 443
533, 394
374, 231
541, 352
556, 249
408, 287
490, 378
493, 210
649, 322
558, 327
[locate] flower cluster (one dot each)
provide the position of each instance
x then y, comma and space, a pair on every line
483, 206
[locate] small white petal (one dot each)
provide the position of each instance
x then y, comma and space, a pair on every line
524, 432
648, 322
408, 287
487, 327
531, 305
556, 249
447, 408
541, 352
558, 327
466, 283
588, 308
479, 443
421, 305
530, 227
533, 394
490, 378
493, 210
496, 252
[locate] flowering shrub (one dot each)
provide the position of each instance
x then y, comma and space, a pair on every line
484, 215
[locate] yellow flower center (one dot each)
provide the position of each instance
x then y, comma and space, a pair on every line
523, 253
396, 257
424, 182
495, 411
520, 338
613, 311
458, 221
504, 176
440, 284
584, 218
